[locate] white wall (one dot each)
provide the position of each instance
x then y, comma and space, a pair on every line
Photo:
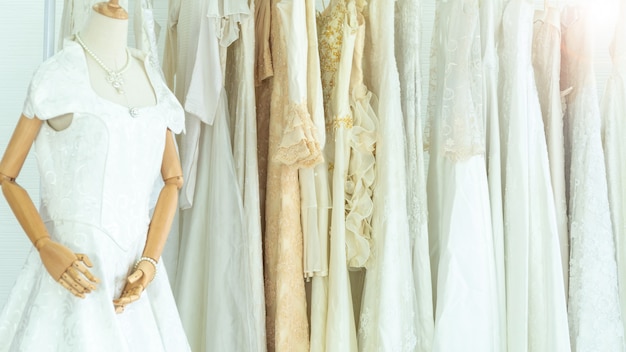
21, 34
21, 37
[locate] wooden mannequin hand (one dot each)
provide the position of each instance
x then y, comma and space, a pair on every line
67, 268
136, 283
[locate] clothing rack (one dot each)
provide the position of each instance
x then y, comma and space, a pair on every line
48, 28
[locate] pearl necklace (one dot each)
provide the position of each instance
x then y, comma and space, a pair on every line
114, 78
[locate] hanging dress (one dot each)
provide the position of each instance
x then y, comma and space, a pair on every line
242, 107
316, 182
407, 31
214, 282
594, 313
387, 320
337, 31
546, 59
613, 132
536, 307
97, 176
490, 17
292, 145
461, 243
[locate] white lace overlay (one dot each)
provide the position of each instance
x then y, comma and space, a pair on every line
407, 50
461, 82
613, 132
594, 313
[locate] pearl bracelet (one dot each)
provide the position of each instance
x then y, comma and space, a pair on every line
149, 260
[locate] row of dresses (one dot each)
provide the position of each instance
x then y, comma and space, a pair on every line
318, 216
523, 251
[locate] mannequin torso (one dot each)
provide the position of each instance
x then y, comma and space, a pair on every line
106, 38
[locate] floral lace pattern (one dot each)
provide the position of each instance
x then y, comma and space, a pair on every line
287, 324
407, 27
461, 80
594, 314
613, 130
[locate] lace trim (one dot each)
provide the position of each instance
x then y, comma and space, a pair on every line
345, 121
298, 145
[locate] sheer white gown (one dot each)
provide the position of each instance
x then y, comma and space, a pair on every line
461, 242
490, 18
216, 290
594, 312
407, 50
387, 320
546, 59
536, 307
613, 132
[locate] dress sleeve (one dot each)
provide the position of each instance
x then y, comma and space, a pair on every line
174, 113
56, 89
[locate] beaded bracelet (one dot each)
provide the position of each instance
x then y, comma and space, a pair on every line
149, 260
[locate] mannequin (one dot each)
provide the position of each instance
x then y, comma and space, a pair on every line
105, 36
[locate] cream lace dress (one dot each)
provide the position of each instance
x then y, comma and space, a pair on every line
291, 145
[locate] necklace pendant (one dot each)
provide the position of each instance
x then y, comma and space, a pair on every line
117, 81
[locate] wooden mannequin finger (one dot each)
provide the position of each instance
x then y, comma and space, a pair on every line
129, 296
69, 288
135, 276
81, 267
79, 279
124, 300
85, 259
70, 281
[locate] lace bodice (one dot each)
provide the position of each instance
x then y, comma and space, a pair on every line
330, 32
101, 169
456, 62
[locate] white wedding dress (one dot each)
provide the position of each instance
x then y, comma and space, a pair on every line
613, 133
387, 321
97, 177
407, 49
546, 59
536, 307
594, 313
461, 242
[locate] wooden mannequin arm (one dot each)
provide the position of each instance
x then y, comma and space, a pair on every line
165, 208
61, 263
10, 167
159, 229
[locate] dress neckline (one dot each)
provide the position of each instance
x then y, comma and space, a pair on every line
143, 57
